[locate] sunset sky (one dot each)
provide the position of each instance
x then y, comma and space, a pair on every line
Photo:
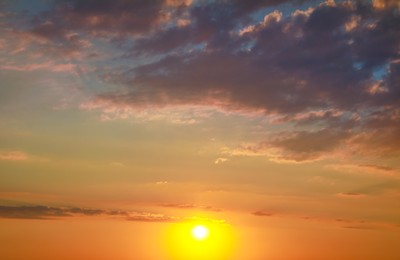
275, 124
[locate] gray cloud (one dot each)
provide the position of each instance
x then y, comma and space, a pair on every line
334, 67
297, 146
342, 58
292, 64
121, 16
32, 212
46, 213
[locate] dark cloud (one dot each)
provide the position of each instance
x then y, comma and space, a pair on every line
287, 65
333, 66
351, 195
297, 146
263, 214
378, 43
380, 134
42, 212
309, 145
32, 212
99, 16
69, 26
246, 7
45, 212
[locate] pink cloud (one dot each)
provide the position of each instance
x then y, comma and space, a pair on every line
50, 66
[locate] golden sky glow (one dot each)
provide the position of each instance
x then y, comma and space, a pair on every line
199, 130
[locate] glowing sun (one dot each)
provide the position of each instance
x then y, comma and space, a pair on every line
200, 232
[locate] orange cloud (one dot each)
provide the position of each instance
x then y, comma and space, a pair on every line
13, 156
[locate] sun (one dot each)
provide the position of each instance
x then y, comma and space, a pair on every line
200, 232
200, 239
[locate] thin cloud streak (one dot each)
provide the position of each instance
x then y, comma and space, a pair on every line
190, 207
339, 222
48, 213
13, 156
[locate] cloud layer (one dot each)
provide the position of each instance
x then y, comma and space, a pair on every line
46, 212
330, 71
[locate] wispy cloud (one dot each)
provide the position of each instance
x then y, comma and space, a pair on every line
294, 147
220, 160
13, 156
337, 221
368, 169
46, 212
352, 195
50, 66
50, 213
190, 206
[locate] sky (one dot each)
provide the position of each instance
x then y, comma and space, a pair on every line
274, 123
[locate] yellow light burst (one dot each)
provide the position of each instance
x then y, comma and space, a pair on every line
199, 240
200, 232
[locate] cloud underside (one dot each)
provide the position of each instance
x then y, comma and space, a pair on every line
331, 71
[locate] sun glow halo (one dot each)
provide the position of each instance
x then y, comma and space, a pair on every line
200, 232
200, 240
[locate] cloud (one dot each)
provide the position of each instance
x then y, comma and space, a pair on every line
329, 73
45, 212
305, 145
313, 53
368, 169
391, 188
179, 115
381, 133
337, 221
350, 195
319, 72
221, 160
51, 213
302, 73
105, 19
150, 217
190, 206
295, 146
382, 4
13, 156
32, 212
263, 214
50, 66
316, 68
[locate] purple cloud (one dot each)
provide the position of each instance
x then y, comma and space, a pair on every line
332, 68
